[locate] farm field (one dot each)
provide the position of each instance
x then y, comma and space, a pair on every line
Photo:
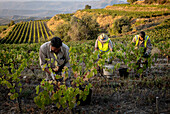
24, 90
28, 32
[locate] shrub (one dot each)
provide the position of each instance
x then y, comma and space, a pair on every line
87, 7
156, 1
131, 1
4, 32
56, 18
150, 1
11, 23
78, 29
162, 1
62, 30
3, 29
118, 25
114, 15
85, 28
125, 29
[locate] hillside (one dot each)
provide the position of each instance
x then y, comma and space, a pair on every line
141, 16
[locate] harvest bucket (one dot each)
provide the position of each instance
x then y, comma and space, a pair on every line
123, 72
108, 70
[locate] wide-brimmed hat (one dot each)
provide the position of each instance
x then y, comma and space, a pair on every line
103, 37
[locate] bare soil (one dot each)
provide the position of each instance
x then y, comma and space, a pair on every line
113, 95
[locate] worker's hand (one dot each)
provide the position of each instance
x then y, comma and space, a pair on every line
56, 69
53, 76
136, 47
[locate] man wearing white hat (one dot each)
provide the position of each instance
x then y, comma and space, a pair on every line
103, 43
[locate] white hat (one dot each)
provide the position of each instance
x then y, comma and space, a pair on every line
103, 37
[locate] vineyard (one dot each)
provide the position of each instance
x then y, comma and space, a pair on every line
113, 11
28, 32
25, 90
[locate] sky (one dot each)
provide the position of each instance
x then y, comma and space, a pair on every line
49, 0
53, 0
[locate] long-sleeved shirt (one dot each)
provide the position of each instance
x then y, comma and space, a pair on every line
141, 44
110, 44
47, 57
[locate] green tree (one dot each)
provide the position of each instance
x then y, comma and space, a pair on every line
11, 23
87, 7
78, 29
119, 26
131, 1
62, 31
85, 28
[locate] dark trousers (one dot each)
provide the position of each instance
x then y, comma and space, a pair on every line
139, 62
145, 63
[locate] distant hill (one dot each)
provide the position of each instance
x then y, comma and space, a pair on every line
49, 8
30, 13
17, 18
